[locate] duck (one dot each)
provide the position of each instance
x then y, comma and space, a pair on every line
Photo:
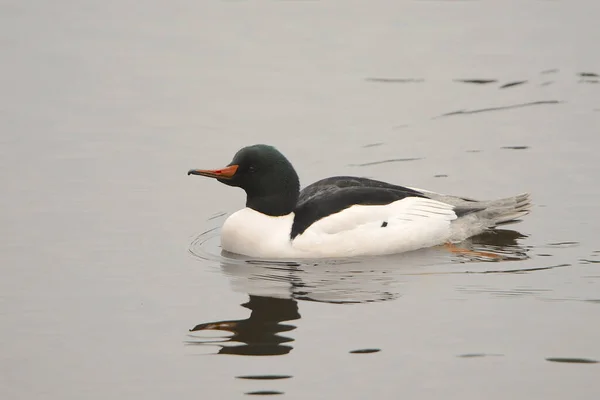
344, 216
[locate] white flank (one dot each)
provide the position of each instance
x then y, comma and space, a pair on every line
411, 223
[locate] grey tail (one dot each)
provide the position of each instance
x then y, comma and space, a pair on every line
475, 217
498, 212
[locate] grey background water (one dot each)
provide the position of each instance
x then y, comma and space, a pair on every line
105, 264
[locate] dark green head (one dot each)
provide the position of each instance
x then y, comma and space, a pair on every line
268, 178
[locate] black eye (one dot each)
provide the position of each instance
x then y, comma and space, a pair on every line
252, 169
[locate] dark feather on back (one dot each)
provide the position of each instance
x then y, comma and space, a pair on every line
332, 195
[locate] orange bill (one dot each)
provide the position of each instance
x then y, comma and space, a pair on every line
223, 173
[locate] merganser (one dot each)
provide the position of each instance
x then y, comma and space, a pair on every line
343, 216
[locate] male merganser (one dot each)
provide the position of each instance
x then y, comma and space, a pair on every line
343, 216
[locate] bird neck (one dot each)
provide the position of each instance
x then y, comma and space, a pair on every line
277, 195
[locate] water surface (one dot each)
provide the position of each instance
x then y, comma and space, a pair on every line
113, 284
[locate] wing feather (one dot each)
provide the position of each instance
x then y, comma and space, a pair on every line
332, 195
409, 210
411, 223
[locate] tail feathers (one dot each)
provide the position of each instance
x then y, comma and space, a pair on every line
475, 217
509, 210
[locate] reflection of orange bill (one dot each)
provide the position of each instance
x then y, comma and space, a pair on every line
217, 326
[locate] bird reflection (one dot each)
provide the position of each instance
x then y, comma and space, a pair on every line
503, 244
259, 334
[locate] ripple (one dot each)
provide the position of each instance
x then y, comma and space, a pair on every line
372, 145
515, 147
562, 245
395, 80
264, 393
520, 270
217, 215
512, 84
516, 292
478, 355
588, 77
264, 377
206, 245
572, 360
392, 160
364, 351
477, 81
508, 107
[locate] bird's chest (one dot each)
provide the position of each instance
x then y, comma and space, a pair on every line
254, 234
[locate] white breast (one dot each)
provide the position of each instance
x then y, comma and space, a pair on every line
253, 234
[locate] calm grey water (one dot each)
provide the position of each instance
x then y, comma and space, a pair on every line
109, 252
